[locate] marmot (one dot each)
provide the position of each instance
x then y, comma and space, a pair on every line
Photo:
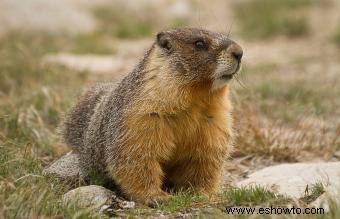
168, 120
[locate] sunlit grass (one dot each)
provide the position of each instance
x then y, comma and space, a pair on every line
252, 196
182, 199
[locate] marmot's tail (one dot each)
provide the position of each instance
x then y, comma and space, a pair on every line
78, 118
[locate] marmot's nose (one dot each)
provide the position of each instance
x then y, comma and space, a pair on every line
236, 51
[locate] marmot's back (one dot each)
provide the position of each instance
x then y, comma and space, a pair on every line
78, 118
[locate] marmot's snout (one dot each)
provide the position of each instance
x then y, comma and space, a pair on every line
228, 63
236, 51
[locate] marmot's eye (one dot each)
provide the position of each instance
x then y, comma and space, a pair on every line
200, 44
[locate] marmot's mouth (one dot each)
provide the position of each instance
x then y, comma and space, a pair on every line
227, 76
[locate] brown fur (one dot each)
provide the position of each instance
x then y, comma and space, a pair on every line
165, 121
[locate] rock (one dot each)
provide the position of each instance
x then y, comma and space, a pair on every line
94, 64
170, 9
66, 168
292, 179
54, 17
97, 198
324, 201
126, 56
88, 62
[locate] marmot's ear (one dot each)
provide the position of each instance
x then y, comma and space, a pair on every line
163, 40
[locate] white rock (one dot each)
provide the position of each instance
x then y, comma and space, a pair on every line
179, 9
66, 168
292, 179
166, 8
87, 62
97, 198
41, 15
126, 57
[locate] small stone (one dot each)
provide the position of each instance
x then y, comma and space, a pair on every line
53, 17
66, 168
98, 198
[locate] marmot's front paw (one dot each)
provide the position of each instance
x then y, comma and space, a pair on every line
156, 200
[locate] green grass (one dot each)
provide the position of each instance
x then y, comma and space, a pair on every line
180, 200
313, 192
266, 18
317, 189
245, 196
298, 97
188, 201
253, 196
92, 42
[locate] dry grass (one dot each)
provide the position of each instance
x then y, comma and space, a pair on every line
287, 116
32, 98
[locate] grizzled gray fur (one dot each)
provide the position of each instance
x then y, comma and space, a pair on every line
94, 123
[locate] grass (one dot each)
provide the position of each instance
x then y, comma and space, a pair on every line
337, 37
312, 193
298, 98
287, 113
253, 196
47, 43
214, 205
303, 92
117, 20
32, 98
113, 22
266, 18
318, 189
182, 199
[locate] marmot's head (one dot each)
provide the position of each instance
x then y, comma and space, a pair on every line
200, 56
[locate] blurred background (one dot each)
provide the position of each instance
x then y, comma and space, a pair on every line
287, 97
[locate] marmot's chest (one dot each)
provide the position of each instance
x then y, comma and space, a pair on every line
177, 130
198, 130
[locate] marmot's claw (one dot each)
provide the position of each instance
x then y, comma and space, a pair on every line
156, 201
